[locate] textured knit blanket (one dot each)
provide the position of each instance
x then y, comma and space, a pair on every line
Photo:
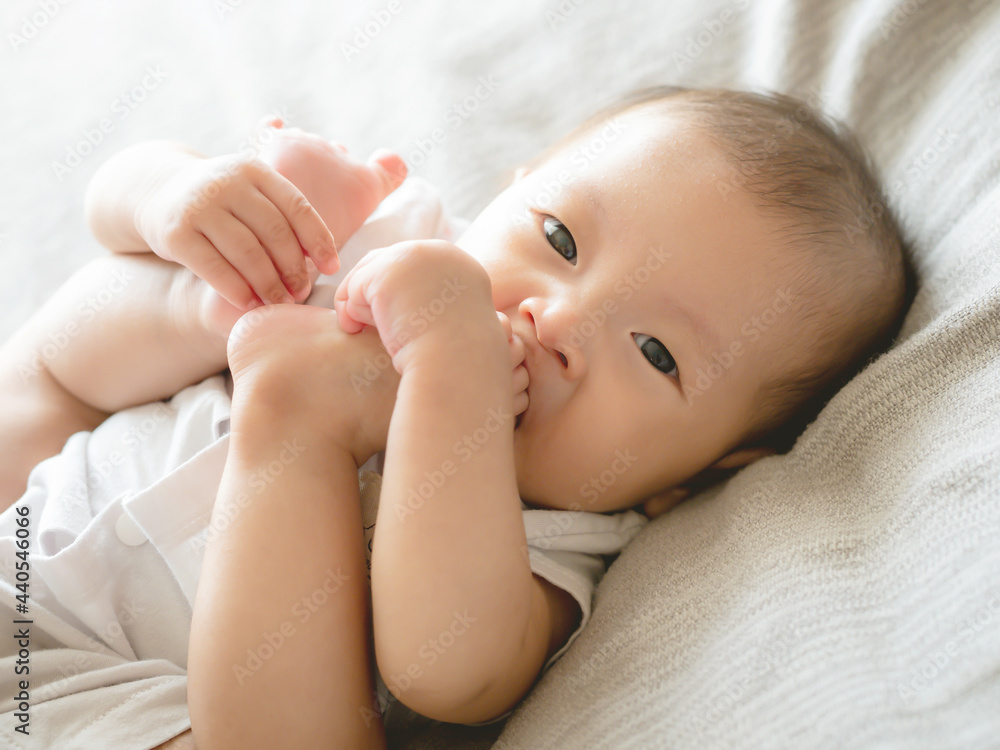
846, 594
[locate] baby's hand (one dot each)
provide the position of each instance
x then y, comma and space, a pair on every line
517, 362
240, 226
342, 189
423, 290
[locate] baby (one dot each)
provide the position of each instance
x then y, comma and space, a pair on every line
664, 297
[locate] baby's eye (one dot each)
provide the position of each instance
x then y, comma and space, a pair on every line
560, 238
656, 353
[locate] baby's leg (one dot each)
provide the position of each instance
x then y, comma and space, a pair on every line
37, 415
279, 653
123, 330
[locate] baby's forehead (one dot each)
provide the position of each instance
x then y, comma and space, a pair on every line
642, 135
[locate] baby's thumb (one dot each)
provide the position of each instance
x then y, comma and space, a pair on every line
390, 168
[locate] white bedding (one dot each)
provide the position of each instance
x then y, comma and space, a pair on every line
845, 595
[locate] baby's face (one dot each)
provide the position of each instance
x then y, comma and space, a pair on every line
626, 271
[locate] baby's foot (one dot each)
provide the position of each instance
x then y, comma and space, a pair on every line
293, 364
343, 191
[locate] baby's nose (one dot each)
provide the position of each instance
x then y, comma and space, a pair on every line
559, 332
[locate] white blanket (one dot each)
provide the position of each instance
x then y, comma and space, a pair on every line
844, 595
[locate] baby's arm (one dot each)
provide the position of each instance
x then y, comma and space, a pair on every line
449, 544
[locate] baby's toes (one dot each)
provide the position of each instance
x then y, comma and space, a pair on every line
390, 169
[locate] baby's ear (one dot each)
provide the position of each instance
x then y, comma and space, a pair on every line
659, 504
741, 457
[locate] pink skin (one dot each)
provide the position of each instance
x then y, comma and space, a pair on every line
343, 190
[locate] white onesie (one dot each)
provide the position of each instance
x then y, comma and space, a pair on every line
115, 528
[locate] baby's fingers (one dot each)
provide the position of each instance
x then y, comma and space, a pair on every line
217, 272
242, 250
275, 236
311, 232
351, 302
